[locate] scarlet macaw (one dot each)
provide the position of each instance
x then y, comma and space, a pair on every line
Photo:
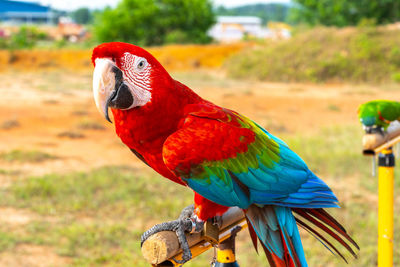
225, 158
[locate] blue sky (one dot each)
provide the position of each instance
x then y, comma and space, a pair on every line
74, 4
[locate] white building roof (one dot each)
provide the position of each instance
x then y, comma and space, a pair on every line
239, 19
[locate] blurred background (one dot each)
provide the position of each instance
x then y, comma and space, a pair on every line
71, 194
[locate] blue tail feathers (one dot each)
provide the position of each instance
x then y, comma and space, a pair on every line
277, 230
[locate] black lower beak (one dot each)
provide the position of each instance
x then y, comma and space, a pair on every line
121, 97
108, 104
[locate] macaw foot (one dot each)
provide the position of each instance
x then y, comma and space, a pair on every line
373, 130
187, 222
217, 220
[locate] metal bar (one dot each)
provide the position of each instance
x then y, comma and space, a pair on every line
388, 144
226, 251
373, 165
203, 246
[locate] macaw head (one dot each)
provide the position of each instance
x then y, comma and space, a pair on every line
125, 77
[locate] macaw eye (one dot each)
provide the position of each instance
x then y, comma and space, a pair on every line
141, 64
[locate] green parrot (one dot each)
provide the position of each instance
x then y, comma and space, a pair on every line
379, 113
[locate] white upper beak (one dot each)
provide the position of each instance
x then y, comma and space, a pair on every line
103, 83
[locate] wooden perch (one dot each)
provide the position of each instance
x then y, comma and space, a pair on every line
160, 248
376, 142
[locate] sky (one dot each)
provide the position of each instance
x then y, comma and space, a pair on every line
93, 4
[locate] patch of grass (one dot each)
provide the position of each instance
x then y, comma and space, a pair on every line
80, 113
101, 213
49, 80
9, 124
91, 125
276, 127
94, 244
335, 151
297, 89
396, 77
323, 54
51, 102
80, 238
333, 107
206, 79
71, 134
82, 241
117, 191
7, 241
9, 172
26, 156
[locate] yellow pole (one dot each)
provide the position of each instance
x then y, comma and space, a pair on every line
385, 208
226, 251
226, 256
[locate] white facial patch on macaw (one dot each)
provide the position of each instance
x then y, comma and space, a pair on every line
103, 82
137, 76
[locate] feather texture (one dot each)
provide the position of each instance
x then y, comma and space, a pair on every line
230, 160
227, 159
379, 113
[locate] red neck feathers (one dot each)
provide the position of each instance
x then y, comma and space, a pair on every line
145, 128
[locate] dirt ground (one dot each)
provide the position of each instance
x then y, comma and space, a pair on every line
54, 120
35, 114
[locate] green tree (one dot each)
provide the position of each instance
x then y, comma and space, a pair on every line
155, 22
345, 12
82, 15
267, 12
26, 37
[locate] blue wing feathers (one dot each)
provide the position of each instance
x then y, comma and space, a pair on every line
227, 194
274, 189
288, 183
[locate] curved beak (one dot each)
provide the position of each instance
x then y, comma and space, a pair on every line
109, 89
103, 85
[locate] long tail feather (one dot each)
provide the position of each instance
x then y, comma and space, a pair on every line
323, 227
253, 235
277, 231
325, 217
320, 219
275, 261
320, 238
291, 246
276, 228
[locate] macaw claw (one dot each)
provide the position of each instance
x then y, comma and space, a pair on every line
187, 222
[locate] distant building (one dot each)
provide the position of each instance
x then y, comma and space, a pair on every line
235, 28
18, 12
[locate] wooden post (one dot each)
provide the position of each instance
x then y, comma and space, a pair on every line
161, 248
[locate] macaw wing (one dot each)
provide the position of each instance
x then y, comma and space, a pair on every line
388, 110
379, 112
231, 161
